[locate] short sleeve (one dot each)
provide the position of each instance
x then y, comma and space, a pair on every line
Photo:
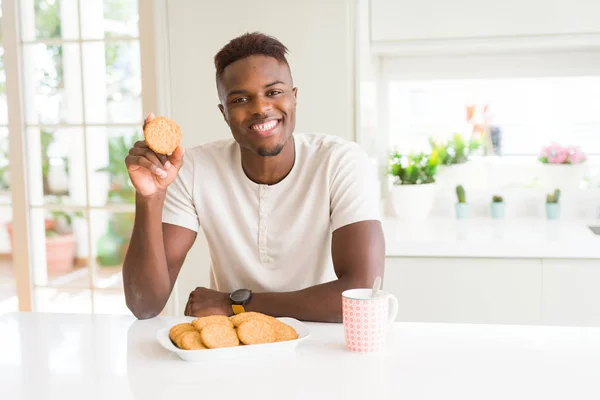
179, 208
354, 195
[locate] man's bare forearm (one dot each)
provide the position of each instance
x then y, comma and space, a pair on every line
145, 270
321, 303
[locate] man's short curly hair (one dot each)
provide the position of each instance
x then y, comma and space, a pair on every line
246, 45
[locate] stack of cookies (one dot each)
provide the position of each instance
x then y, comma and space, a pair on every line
218, 331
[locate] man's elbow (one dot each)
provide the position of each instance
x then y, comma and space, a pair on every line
141, 315
141, 311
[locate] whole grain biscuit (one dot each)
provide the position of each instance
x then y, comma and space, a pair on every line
216, 336
243, 317
284, 332
257, 331
179, 329
190, 340
163, 135
201, 322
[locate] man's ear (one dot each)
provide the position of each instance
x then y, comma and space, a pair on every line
222, 109
295, 90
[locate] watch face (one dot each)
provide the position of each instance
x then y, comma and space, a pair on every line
240, 295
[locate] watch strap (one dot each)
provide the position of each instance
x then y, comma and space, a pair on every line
238, 309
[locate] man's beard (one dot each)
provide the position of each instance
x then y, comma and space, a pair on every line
272, 152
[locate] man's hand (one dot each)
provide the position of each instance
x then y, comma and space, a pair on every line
151, 172
203, 302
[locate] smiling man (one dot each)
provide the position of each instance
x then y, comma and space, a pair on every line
289, 218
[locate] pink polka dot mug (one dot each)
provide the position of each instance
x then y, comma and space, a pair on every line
367, 318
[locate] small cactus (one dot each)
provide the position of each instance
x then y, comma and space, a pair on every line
553, 197
497, 199
460, 194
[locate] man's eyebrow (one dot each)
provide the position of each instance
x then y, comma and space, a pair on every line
274, 83
241, 91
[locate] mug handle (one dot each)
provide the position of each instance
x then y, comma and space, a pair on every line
393, 308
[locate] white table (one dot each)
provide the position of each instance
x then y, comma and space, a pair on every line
62, 356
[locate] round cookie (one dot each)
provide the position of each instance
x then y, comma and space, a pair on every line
284, 332
216, 336
247, 316
178, 329
190, 340
200, 323
257, 331
163, 135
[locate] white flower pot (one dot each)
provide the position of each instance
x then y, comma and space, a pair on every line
467, 174
412, 202
563, 176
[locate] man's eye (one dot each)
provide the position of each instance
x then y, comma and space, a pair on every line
274, 92
240, 100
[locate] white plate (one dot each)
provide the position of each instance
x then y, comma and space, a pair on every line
277, 348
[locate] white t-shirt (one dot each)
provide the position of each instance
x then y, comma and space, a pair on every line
272, 238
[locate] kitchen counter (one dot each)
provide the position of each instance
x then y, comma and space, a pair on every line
519, 238
63, 356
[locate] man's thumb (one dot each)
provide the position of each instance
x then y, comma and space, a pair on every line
176, 158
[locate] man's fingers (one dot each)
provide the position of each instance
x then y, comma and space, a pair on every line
148, 118
141, 144
149, 154
143, 162
164, 160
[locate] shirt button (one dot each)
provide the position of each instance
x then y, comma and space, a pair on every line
263, 228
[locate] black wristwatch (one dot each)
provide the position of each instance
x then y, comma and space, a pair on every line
239, 299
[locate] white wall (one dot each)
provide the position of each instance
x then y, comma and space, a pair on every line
319, 35
442, 19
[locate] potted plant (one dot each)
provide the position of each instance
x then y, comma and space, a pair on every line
454, 155
553, 205
60, 242
412, 184
462, 207
563, 167
497, 207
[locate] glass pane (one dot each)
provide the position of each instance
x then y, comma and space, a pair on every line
49, 19
3, 106
61, 165
113, 83
4, 172
111, 233
52, 84
60, 248
518, 116
109, 18
61, 300
8, 290
109, 302
107, 149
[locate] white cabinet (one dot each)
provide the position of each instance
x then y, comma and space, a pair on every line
393, 20
571, 292
465, 290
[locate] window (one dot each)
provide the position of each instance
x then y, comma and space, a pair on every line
82, 111
526, 113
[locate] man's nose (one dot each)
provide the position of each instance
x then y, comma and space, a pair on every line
262, 105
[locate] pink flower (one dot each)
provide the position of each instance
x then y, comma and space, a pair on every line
576, 156
556, 154
558, 157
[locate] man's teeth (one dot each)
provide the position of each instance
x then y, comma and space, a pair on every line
265, 127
